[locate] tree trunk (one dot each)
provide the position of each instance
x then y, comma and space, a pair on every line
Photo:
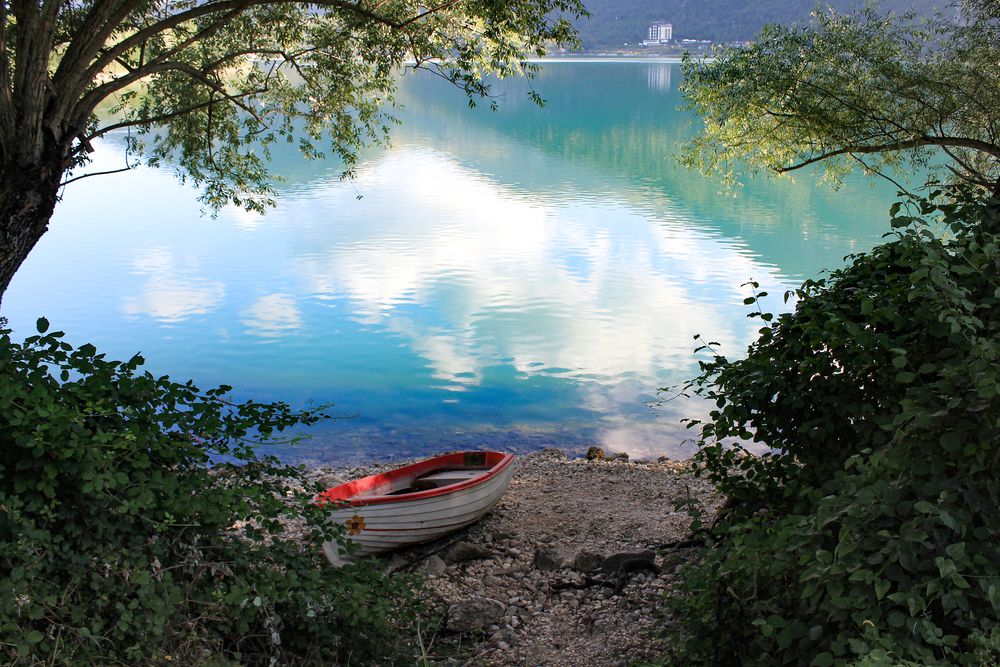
27, 198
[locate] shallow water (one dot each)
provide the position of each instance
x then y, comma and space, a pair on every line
516, 279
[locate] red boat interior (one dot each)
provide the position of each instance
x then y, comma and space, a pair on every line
426, 477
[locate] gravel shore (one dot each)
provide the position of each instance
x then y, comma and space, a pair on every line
565, 570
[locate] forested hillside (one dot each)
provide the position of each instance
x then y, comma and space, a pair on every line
616, 22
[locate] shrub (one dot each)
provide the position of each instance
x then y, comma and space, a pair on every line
870, 534
122, 544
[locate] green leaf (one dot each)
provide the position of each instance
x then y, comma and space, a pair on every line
42, 325
822, 660
950, 441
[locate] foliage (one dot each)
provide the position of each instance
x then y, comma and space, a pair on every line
210, 85
120, 543
860, 89
870, 534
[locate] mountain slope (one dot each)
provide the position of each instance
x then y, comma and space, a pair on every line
616, 22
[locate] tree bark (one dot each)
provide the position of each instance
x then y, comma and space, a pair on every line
28, 195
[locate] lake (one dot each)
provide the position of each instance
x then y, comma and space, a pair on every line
513, 279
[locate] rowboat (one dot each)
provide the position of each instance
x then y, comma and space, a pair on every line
416, 503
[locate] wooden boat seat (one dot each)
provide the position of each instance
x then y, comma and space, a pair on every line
436, 480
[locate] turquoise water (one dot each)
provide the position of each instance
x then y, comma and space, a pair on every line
514, 279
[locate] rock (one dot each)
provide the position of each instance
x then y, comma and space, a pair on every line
588, 561
594, 454
463, 552
490, 581
474, 614
395, 563
547, 558
629, 560
433, 566
552, 453
329, 479
620, 456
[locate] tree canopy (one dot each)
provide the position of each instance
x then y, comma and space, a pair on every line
855, 90
209, 84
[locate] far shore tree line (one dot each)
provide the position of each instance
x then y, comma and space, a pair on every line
868, 536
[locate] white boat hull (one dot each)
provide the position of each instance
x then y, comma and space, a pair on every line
387, 525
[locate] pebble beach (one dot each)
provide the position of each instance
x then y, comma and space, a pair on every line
568, 569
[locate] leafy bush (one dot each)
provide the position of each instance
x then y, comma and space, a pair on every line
870, 535
121, 543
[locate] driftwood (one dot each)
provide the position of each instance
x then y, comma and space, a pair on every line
615, 574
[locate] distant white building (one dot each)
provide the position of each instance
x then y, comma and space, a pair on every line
660, 32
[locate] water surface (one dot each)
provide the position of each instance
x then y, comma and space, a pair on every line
516, 279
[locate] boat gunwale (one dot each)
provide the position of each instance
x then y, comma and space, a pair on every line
413, 470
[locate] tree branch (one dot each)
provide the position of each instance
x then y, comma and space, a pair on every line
221, 6
958, 142
429, 12
95, 173
30, 93
6, 103
90, 101
882, 174
153, 120
103, 19
235, 7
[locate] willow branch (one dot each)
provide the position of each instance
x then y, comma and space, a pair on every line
96, 173
224, 6
957, 142
94, 97
161, 118
6, 102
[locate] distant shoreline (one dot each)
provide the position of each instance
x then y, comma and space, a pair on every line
607, 57
617, 57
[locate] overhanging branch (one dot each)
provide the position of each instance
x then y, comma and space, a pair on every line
161, 118
225, 6
90, 101
941, 142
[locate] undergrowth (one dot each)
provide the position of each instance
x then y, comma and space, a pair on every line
870, 534
122, 544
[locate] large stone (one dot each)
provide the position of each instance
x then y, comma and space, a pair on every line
587, 561
620, 456
594, 454
433, 566
547, 558
463, 552
395, 563
629, 561
552, 453
474, 614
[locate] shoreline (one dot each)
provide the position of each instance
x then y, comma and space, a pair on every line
533, 573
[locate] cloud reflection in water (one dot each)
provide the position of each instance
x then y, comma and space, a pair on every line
596, 293
169, 294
